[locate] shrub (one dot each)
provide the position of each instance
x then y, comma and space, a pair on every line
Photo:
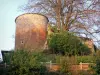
97, 66
3, 70
86, 59
83, 72
67, 43
65, 64
27, 63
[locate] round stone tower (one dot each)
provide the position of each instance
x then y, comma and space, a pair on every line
31, 31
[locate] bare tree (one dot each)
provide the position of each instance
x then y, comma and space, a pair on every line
79, 16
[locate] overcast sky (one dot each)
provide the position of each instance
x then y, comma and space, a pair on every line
9, 10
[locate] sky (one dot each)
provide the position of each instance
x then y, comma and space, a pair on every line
9, 10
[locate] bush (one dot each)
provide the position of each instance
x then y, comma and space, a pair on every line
3, 70
67, 43
86, 59
27, 63
83, 72
97, 66
65, 66
65, 63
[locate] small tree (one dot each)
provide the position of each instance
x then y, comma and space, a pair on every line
67, 43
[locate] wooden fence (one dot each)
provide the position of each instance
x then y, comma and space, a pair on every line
81, 66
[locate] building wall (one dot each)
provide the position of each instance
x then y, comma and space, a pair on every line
89, 43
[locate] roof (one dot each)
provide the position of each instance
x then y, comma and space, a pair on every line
85, 38
33, 14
